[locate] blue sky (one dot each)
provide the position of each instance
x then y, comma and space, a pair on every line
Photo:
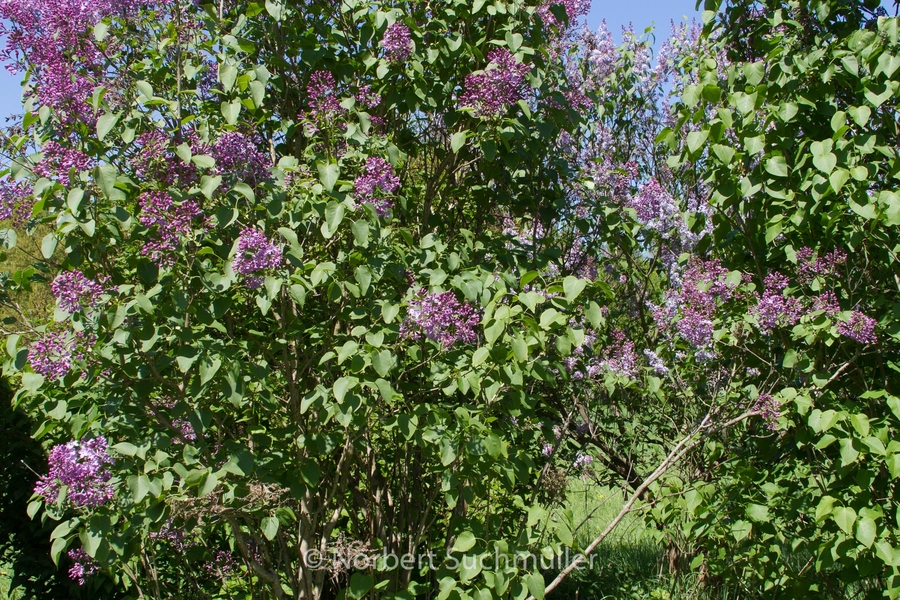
617, 13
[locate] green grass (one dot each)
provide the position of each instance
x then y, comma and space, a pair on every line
630, 562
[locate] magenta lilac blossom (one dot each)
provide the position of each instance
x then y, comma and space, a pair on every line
442, 318
255, 253
75, 292
397, 43
375, 182
84, 566
80, 467
502, 83
859, 327
51, 355
168, 222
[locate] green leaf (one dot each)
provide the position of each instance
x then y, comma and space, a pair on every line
696, 139
227, 75
844, 516
458, 140
231, 111
777, 166
741, 529
208, 368
269, 526
328, 174
573, 286
754, 72
866, 532
520, 349
480, 355
535, 583
48, 245
464, 542
106, 177
342, 386
383, 362
758, 513
208, 484
360, 585
209, 185
360, 230
105, 123
334, 214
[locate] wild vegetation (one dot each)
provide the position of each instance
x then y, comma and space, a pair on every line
377, 300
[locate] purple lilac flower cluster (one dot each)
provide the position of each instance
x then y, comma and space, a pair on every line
397, 43
83, 565
59, 162
769, 409
51, 355
169, 221
703, 286
75, 292
376, 181
367, 98
238, 155
827, 302
15, 201
502, 83
222, 565
620, 358
442, 318
859, 327
574, 9
255, 253
322, 97
81, 467
156, 161
774, 309
656, 363
656, 209
182, 426
809, 267
582, 461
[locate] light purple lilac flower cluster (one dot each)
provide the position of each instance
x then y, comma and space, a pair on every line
442, 318
366, 97
375, 182
59, 162
827, 301
620, 358
574, 9
582, 461
397, 43
703, 287
83, 565
656, 363
769, 409
156, 161
859, 327
75, 292
773, 308
80, 466
809, 267
238, 155
502, 83
322, 96
15, 201
255, 253
51, 355
169, 222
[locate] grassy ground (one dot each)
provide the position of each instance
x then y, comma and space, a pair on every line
629, 563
